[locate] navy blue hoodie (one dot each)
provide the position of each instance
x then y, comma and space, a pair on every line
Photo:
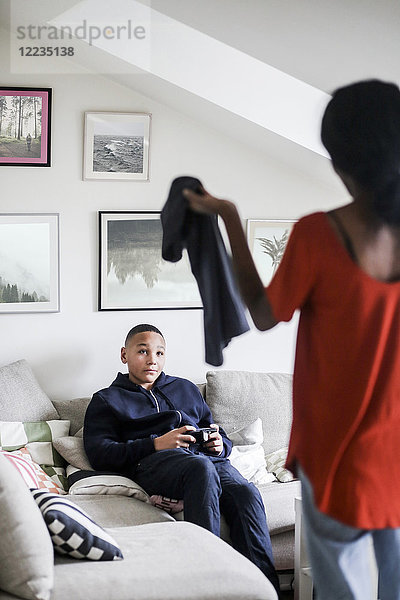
122, 420
224, 316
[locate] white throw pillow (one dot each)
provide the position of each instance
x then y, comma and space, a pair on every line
247, 454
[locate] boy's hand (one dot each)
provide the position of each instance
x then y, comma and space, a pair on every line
177, 438
215, 444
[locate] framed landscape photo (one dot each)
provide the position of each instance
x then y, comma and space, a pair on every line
25, 126
267, 241
29, 263
116, 146
132, 273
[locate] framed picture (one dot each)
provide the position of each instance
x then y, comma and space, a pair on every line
132, 274
116, 146
25, 126
29, 265
267, 241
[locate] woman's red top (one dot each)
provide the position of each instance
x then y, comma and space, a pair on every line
346, 387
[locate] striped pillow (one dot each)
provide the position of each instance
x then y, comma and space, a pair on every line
32, 473
72, 531
276, 465
24, 467
38, 438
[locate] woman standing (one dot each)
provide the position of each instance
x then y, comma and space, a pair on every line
342, 270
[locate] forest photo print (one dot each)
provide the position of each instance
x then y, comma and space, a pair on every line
25, 126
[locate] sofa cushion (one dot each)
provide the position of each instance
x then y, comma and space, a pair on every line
72, 531
73, 410
26, 551
24, 467
276, 464
21, 397
104, 483
237, 398
247, 454
37, 437
120, 511
15, 434
283, 550
72, 450
278, 500
31, 472
166, 561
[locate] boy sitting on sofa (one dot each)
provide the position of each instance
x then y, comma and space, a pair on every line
141, 427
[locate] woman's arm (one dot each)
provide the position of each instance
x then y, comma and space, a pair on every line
250, 284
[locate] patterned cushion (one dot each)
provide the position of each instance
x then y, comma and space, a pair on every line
37, 437
73, 532
32, 473
276, 465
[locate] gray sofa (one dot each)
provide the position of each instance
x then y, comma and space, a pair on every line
164, 557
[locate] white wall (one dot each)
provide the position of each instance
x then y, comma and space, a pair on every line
76, 351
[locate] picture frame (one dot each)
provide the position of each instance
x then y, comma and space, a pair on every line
29, 268
267, 239
117, 146
132, 273
25, 126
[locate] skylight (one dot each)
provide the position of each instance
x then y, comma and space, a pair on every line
202, 65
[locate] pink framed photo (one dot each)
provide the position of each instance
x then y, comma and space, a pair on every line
25, 127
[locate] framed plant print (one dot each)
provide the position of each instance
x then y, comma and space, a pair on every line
267, 241
25, 126
116, 146
132, 273
29, 265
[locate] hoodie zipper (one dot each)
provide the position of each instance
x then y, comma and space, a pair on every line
158, 407
155, 400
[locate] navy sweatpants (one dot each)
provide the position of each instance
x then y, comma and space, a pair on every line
210, 486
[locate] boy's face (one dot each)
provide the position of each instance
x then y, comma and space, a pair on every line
145, 357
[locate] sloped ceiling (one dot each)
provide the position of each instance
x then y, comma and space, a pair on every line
313, 46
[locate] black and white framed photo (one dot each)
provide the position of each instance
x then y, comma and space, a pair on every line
132, 273
29, 263
267, 241
116, 146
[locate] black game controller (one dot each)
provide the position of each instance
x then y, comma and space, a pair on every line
202, 435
